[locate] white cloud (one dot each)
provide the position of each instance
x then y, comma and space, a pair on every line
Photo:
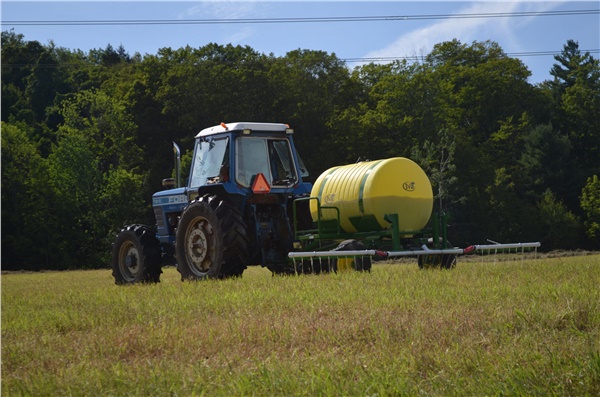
421, 41
219, 9
240, 35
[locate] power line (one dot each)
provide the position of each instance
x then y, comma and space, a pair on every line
417, 57
299, 20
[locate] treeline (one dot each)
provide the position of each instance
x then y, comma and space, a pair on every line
86, 136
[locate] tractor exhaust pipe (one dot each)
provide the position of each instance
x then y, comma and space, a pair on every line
177, 153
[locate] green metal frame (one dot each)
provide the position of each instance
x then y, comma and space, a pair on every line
328, 233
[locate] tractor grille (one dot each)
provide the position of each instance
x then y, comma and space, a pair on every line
160, 219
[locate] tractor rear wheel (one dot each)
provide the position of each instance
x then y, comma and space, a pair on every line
136, 256
211, 240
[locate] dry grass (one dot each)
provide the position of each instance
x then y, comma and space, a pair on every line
514, 328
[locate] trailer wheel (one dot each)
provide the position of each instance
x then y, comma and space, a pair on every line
361, 264
136, 256
315, 266
448, 261
211, 240
284, 269
443, 261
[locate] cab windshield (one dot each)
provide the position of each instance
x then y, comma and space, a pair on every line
210, 163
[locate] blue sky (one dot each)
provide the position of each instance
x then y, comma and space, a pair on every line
348, 40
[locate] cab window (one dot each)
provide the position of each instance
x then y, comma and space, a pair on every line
271, 157
210, 163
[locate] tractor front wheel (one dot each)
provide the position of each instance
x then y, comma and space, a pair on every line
136, 256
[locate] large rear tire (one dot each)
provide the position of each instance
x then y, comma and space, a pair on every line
136, 256
211, 240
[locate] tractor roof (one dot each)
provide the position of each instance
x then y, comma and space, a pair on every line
269, 127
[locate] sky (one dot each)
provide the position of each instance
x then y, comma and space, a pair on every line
401, 35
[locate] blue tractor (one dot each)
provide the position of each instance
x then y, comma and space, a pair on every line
235, 210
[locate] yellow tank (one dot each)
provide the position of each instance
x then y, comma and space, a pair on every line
365, 192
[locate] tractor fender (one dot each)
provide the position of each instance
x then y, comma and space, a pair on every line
220, 190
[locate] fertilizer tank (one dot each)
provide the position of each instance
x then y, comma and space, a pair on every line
365, 192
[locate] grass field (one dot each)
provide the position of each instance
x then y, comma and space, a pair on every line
509, 328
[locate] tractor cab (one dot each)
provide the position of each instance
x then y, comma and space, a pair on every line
235, 154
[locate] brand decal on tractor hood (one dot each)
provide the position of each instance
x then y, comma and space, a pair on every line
179, 199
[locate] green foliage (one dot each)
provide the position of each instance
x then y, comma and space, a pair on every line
573, 67
544, 161
508, 217
576, 103
308, 89
438, 163
27, 235
107, 126
560, 228
75, 182
186, 164
398, 113
121, 198
88, 134
590, 203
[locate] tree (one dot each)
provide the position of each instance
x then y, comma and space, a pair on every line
107, 125
75, 180
559, 228
456, 54
31, 77
109, 56
576, 91
580, 103
33, 84
437, 160
89, 205
122, 203
545, 162
590, 203
484, 87
572, 67
484, 99
95, 176
505, 216
28, 236
309, 88
398, 112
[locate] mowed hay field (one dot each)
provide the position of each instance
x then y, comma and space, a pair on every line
508, 328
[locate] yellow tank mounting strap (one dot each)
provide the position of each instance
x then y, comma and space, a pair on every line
361, 206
